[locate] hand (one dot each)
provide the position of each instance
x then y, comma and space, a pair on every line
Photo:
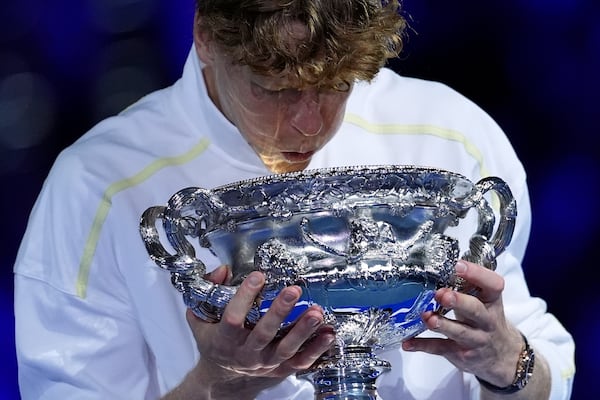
239, 352
479, 340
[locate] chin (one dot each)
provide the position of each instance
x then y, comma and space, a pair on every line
281, 166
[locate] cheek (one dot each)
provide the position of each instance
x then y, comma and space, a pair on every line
260, 123
333, 116
262, 130
246, 113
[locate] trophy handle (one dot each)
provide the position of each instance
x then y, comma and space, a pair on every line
183, 261
483, 247
206, 299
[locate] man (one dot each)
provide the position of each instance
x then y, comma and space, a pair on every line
270, 86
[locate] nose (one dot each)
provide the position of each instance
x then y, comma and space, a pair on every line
306, 116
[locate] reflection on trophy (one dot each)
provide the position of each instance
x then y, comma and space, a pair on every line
369, 244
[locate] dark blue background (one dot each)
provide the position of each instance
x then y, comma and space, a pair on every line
532, 64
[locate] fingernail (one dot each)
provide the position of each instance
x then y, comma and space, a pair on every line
289, 297
218, 270
314, 322
254, 280
452, 301
461, 267
329, 340
408, 346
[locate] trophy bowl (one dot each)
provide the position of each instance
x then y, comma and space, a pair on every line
369, 244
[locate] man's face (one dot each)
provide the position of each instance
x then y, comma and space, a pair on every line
284, 125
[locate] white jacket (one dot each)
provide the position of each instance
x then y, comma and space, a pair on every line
97, 319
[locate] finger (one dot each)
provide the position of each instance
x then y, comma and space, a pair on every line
219, 275
438, 346
234, 315
469, 312
302, 331
312, 350
460, 332
489, 282
457, 336
268, 325
192, 319
198, 326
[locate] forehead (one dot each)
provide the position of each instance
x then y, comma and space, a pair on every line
275, 81
245, 73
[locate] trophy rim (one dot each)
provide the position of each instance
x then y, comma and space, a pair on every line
336, 190
330, 172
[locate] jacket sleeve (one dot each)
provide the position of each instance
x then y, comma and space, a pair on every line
72, 348
69, 345
530, 314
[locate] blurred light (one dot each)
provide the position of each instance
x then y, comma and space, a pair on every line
565, 226
27, 106
129, 72
64, 40
118, 16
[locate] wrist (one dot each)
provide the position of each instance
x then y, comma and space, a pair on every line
222, 383
523, 372
218, 382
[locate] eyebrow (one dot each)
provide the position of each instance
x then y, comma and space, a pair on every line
272, 83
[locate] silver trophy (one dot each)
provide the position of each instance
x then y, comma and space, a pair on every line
369, 244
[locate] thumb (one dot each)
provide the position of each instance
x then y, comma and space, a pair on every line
220, 275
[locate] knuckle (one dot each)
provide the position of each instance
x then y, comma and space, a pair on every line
281, 309
261, 338
230, 320
499, 284
246, 294
304, 363
286, 354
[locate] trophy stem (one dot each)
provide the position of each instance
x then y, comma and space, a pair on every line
346, 373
